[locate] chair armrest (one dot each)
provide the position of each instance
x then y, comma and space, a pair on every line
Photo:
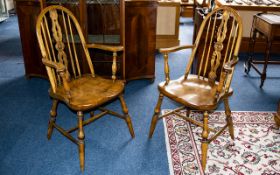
110, 48
175, 48
229, 65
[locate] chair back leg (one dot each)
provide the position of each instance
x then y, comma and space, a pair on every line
229, 118
53, 114
155, 116
126, 115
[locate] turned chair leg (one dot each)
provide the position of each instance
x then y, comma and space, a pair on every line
53, 114
155, 116
127, 117
205, 142
81, 142
229, 118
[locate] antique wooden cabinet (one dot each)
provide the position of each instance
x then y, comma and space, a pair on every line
27, 12
130, 23
140, 39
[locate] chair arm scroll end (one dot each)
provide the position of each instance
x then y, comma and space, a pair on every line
228, 67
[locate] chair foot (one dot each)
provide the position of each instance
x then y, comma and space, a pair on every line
153, 125
204, 142
81, 147
129, 125
53, 114
81, 142
204, 149
127, 117
155, 116
50, 130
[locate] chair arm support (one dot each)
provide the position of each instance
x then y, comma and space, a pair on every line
226, 76
57, 66
62, 72
165, 52
176, 48
110, 48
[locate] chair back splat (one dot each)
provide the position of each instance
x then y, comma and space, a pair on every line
217, 43
60, 37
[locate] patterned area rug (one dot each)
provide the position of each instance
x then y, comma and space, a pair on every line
255, 150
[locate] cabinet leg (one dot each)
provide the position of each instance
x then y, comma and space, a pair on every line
247, 64
267, 57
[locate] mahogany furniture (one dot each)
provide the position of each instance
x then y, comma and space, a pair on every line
62, 43
27, 12
101, 23
140, 39
187, 7
268, 25
203, 91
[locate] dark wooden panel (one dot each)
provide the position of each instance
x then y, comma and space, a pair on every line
140, 29
27, 12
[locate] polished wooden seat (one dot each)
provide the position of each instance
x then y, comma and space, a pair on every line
220, 36
193, 92
73, 80
89, 92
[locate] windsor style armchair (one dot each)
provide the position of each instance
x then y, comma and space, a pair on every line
219, 38
63, 46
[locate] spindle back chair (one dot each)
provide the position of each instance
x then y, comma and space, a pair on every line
64, 49
213, 58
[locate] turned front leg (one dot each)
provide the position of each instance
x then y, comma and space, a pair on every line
229, 118
155, 116
81, 142
126, 115
205, 142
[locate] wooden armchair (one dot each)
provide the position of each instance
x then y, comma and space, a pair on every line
216, 50
63, 46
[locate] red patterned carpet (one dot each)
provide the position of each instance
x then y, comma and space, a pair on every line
255, 150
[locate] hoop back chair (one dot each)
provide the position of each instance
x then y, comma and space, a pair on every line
215, 53
62, 46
